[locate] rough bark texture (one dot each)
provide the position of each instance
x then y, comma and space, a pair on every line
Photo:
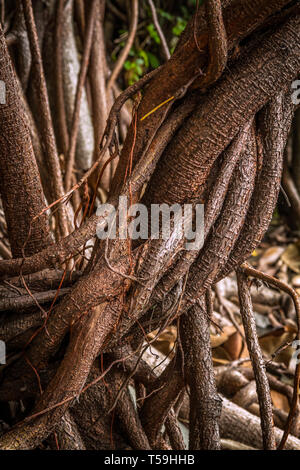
238, 424
274, 125
165, 391
217, 247
205, 404
262, 384
190, 155
209, 126
20, 184
240, 18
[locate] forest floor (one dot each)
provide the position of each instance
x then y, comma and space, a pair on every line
278, 255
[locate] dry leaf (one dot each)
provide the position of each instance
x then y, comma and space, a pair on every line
270, 256
166, 340
234, 345
280, 401
291, 257
218, 340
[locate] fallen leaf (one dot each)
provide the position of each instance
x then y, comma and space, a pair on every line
270, 256
280, 401
291, 257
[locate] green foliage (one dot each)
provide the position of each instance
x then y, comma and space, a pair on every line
179, 27
153, 33
154, 61
138, 64
145, 55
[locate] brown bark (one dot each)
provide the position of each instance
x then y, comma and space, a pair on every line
184, 152
190, 155
262, 384
70, 157
205, 404
165, 391
65, 386
240, 18
39, 84
274, 125
213, 204
296, 150
91, 290
66, 435
280, 64
217, 247
99, 429
20, 183
238, 424
98, 72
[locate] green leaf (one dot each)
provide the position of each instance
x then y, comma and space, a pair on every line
139, 70
166, 15
153, 33
144, 56
154, 62
127, 65
180, 26
139, 61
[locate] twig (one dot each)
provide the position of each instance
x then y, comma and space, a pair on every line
60, 102
36, 374
73, 397
45, 115
33, 297
290, 189
262, 384
81, 80
230, 314
107, 136
122, 57
164, 44
25, 301
115, 11
249, 271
